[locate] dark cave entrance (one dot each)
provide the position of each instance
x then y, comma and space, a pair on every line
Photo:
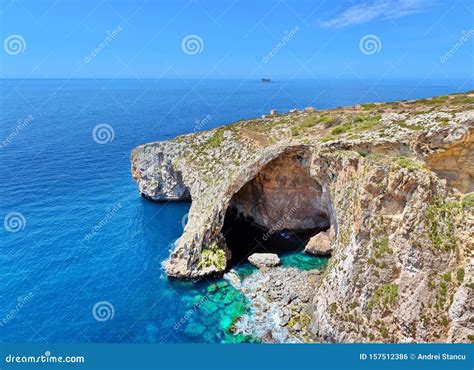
244, 238
278, 211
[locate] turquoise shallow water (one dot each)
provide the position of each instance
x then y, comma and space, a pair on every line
213, 306
83, 262
303, 261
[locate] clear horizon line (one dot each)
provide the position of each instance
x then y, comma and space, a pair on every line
243, 78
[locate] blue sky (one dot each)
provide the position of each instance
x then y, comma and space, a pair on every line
238, 39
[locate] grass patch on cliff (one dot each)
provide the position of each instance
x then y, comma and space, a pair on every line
408, 163
369, 106
384, 296
357, 124
295, 131
462, 100
468, 200
460, 275
437, 100
341, 129
311, 121
404, 124
215, 140
443, 121
442, 293
384, 332
447, 277
381, 247
439, 219
302, 320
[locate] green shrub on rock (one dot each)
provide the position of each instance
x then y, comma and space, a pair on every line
214, 256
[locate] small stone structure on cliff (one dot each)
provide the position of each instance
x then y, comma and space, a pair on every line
393, 182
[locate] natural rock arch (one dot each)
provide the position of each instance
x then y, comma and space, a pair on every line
282, 197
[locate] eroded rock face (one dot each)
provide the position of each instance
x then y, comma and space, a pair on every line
157, 178
461, 312
400, 246
283, 195
402, 228
451, 156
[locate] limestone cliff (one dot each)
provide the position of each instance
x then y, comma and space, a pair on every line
393, 181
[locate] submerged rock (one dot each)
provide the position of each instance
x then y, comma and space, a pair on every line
264, 260
194, 329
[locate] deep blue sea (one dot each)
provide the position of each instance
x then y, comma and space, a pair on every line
81, 251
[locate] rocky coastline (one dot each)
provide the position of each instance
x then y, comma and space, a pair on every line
391, 186
280, 309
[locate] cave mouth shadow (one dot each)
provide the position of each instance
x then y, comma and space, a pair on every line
278, 210
243, 238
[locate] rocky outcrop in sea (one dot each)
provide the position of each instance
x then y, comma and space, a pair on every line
392, 183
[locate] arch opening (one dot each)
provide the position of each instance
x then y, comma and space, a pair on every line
277, 211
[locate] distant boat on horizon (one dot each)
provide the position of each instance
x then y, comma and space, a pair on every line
266, 80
